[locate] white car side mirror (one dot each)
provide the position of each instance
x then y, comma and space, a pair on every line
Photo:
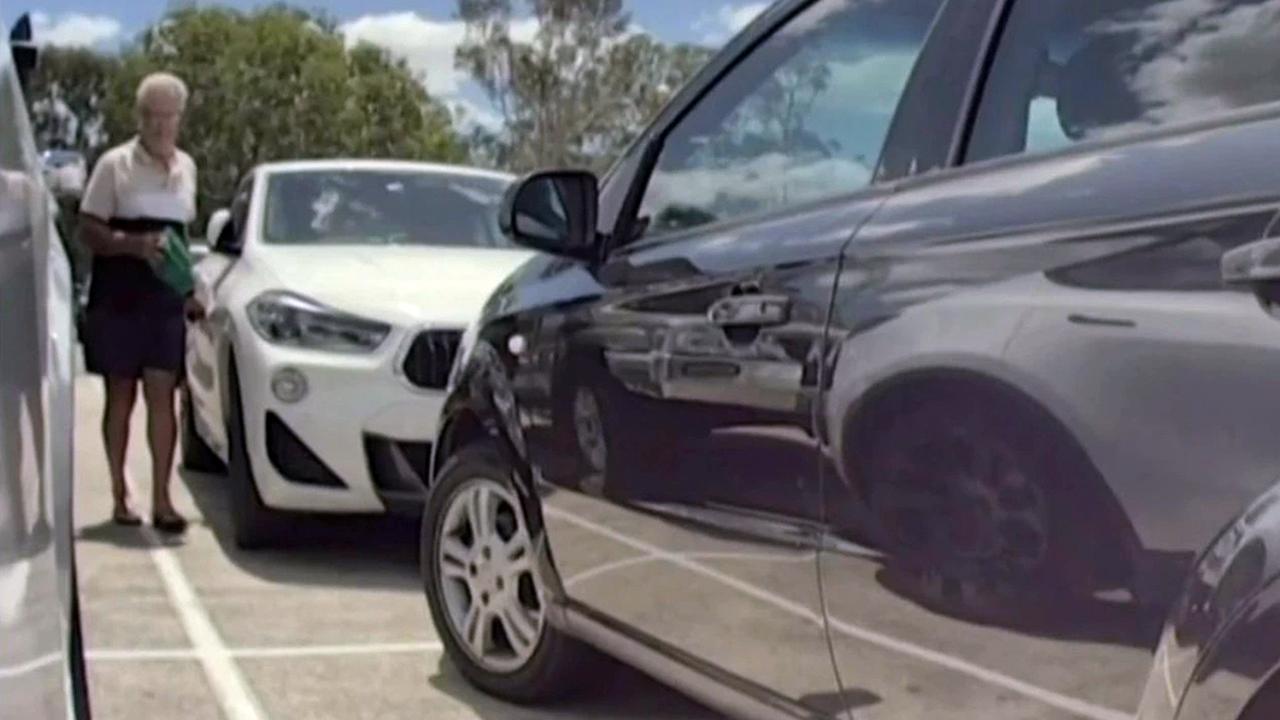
217, 222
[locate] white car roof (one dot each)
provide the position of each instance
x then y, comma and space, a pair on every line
294, 166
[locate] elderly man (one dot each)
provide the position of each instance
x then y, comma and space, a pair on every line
140, 194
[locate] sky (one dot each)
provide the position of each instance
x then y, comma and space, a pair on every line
424, 32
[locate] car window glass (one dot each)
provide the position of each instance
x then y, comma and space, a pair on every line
802, 118
13, 116
1070, 71
370, 207
1193, 265
614, 187
240, 206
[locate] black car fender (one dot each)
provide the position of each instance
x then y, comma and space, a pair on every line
1218, 650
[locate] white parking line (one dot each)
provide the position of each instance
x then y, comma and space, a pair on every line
132, 655
294, 651
229, 686
9, 672
903, 647
642, 559
330, 650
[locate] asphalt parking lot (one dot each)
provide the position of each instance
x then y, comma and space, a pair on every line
334, 626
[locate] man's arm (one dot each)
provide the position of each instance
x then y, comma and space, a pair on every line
98, 203
102, 239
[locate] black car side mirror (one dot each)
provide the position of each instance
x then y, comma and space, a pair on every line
25, 53
553, 211
1256, 266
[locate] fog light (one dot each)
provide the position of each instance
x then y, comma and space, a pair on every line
289, 385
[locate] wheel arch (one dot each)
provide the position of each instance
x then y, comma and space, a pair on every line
881, 397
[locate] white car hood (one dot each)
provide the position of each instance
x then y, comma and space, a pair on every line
403, 285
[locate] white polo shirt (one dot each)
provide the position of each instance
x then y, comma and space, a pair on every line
128, 183
132, 189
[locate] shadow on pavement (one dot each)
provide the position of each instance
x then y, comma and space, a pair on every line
109, 533
614, 692
318, 550
345, 551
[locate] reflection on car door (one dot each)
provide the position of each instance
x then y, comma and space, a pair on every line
35, 557
1040, 388
683, 392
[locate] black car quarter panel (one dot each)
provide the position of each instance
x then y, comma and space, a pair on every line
1043, 401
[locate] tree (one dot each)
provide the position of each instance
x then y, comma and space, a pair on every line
577, 90
278, 84
67, 99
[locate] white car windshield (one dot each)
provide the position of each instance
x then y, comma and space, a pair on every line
383, 207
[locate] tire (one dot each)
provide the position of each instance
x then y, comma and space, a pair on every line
553, 664
254, 525
78, 675
196, 455
616, 434
975, 498
1265, 704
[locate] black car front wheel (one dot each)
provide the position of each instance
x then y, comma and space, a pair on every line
479, 569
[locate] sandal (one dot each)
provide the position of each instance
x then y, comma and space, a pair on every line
125, 517
172, 524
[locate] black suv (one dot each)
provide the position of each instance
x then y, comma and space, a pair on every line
899, 368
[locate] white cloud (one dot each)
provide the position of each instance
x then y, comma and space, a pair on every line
427, 45
728, 20
470, 114
74, 29
736, 18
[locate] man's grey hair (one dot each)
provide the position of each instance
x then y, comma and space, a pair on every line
161, 84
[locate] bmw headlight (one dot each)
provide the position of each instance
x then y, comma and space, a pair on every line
283, 318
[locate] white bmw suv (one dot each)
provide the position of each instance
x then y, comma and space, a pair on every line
337, 293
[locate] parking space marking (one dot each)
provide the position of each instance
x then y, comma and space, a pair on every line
330, 650
1058, 700
293, 651
649, 557
229, 686
12, 671
132, 655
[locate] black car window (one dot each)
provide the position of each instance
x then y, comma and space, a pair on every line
1188, 266
13, 116
802, 118
240, 205
1068, 71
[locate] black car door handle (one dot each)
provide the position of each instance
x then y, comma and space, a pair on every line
1257, 266
751, 310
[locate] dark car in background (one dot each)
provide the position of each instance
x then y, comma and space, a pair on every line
899, 369
41, 661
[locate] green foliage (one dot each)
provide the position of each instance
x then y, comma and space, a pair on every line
576, 92
279, 84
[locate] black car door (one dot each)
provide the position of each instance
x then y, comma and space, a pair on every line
669, 398
1043, 397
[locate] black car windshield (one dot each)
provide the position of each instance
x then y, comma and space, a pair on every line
383, 207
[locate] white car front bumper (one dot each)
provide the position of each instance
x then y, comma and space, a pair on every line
361, 418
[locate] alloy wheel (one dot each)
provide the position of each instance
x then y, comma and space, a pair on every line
484, 556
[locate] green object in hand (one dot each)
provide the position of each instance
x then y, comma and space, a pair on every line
174, 267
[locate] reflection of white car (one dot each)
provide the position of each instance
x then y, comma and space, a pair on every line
337, 292
1142, 359
65, 171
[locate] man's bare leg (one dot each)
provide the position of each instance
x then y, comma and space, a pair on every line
159, 388
121, 394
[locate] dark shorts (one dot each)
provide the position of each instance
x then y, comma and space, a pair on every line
123, 343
